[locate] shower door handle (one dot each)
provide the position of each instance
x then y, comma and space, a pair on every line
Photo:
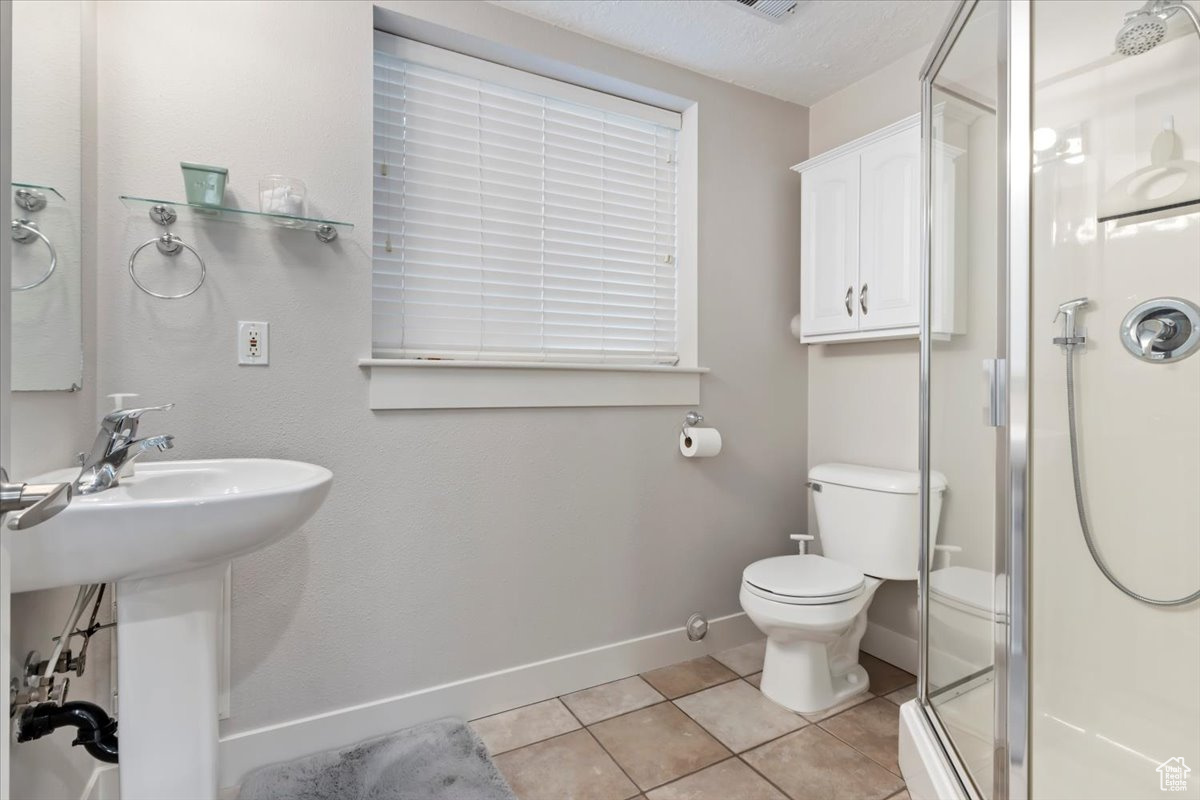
996, 370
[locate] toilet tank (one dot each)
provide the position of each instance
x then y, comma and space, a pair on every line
871, 517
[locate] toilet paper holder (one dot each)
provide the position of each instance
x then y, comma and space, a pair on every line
697, 442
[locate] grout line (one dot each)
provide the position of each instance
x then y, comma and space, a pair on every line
738, 755
637, 785
866, 699
698, 691
611, 757
886, 768
672, 780
742, 755
730, 757
890, 691
773, 739
531, 744
778, 788
662, 699
607, 683
527, 744
754, 746
627, 713
516, 708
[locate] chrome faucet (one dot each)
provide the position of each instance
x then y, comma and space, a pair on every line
116, 448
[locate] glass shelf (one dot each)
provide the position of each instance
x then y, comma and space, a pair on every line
39, 187
326, 229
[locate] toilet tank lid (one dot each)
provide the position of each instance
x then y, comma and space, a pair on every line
875, 479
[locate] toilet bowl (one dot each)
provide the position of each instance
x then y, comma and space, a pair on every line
813, 608
812, 642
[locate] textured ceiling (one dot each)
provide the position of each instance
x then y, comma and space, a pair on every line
824, 46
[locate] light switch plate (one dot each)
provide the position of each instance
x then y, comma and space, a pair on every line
254, 340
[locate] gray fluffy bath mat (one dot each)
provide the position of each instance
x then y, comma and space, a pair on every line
441, 760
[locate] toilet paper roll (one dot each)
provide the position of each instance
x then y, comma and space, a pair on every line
699, 442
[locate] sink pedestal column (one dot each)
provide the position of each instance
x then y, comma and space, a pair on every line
167, 680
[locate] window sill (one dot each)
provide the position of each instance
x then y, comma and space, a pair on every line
415, 383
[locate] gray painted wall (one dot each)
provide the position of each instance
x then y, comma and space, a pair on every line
862, 397
454, 542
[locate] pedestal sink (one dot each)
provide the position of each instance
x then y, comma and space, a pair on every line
163, 537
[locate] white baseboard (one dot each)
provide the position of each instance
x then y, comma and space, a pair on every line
890, 646
474, 697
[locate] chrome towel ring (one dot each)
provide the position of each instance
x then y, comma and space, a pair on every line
25, 231
169, 245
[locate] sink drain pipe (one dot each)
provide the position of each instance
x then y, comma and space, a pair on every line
97, 731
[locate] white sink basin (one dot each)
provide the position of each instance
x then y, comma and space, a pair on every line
169, 517
163, 537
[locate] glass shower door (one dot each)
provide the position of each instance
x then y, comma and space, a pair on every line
962, 433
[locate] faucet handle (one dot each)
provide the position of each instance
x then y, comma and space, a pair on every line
134, 413
1152, 331
38, 502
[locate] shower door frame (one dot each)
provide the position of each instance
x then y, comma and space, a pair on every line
1010, 776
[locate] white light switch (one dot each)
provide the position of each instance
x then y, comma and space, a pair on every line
254, 343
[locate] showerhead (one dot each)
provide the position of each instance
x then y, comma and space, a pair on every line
1143, 31
1145, 28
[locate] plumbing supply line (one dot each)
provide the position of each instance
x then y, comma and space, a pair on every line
81, 600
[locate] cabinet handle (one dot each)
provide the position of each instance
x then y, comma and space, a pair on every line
849, 301
862, 299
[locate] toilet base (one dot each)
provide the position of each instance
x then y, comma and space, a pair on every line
811, 662
797, 676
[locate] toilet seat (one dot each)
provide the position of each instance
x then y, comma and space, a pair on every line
803, 580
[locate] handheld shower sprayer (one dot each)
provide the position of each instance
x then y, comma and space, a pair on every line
1154, 331
1067, 311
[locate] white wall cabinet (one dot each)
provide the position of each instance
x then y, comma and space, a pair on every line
829, 237
860, 259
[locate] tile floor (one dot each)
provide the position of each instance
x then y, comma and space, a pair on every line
701, 730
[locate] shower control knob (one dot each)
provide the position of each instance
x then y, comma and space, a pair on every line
1162, 330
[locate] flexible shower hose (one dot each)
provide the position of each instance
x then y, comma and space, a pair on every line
1083, 520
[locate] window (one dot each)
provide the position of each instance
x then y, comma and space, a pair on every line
519, 218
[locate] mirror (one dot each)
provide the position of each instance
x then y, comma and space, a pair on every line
45, 198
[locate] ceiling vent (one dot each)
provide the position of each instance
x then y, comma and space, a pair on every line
775, 10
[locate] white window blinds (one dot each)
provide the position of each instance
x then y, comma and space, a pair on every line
516, 225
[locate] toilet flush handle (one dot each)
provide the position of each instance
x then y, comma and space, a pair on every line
803, 539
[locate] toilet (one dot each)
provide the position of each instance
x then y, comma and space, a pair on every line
813, 608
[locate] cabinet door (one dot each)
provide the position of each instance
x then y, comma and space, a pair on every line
829, 247
889, 289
